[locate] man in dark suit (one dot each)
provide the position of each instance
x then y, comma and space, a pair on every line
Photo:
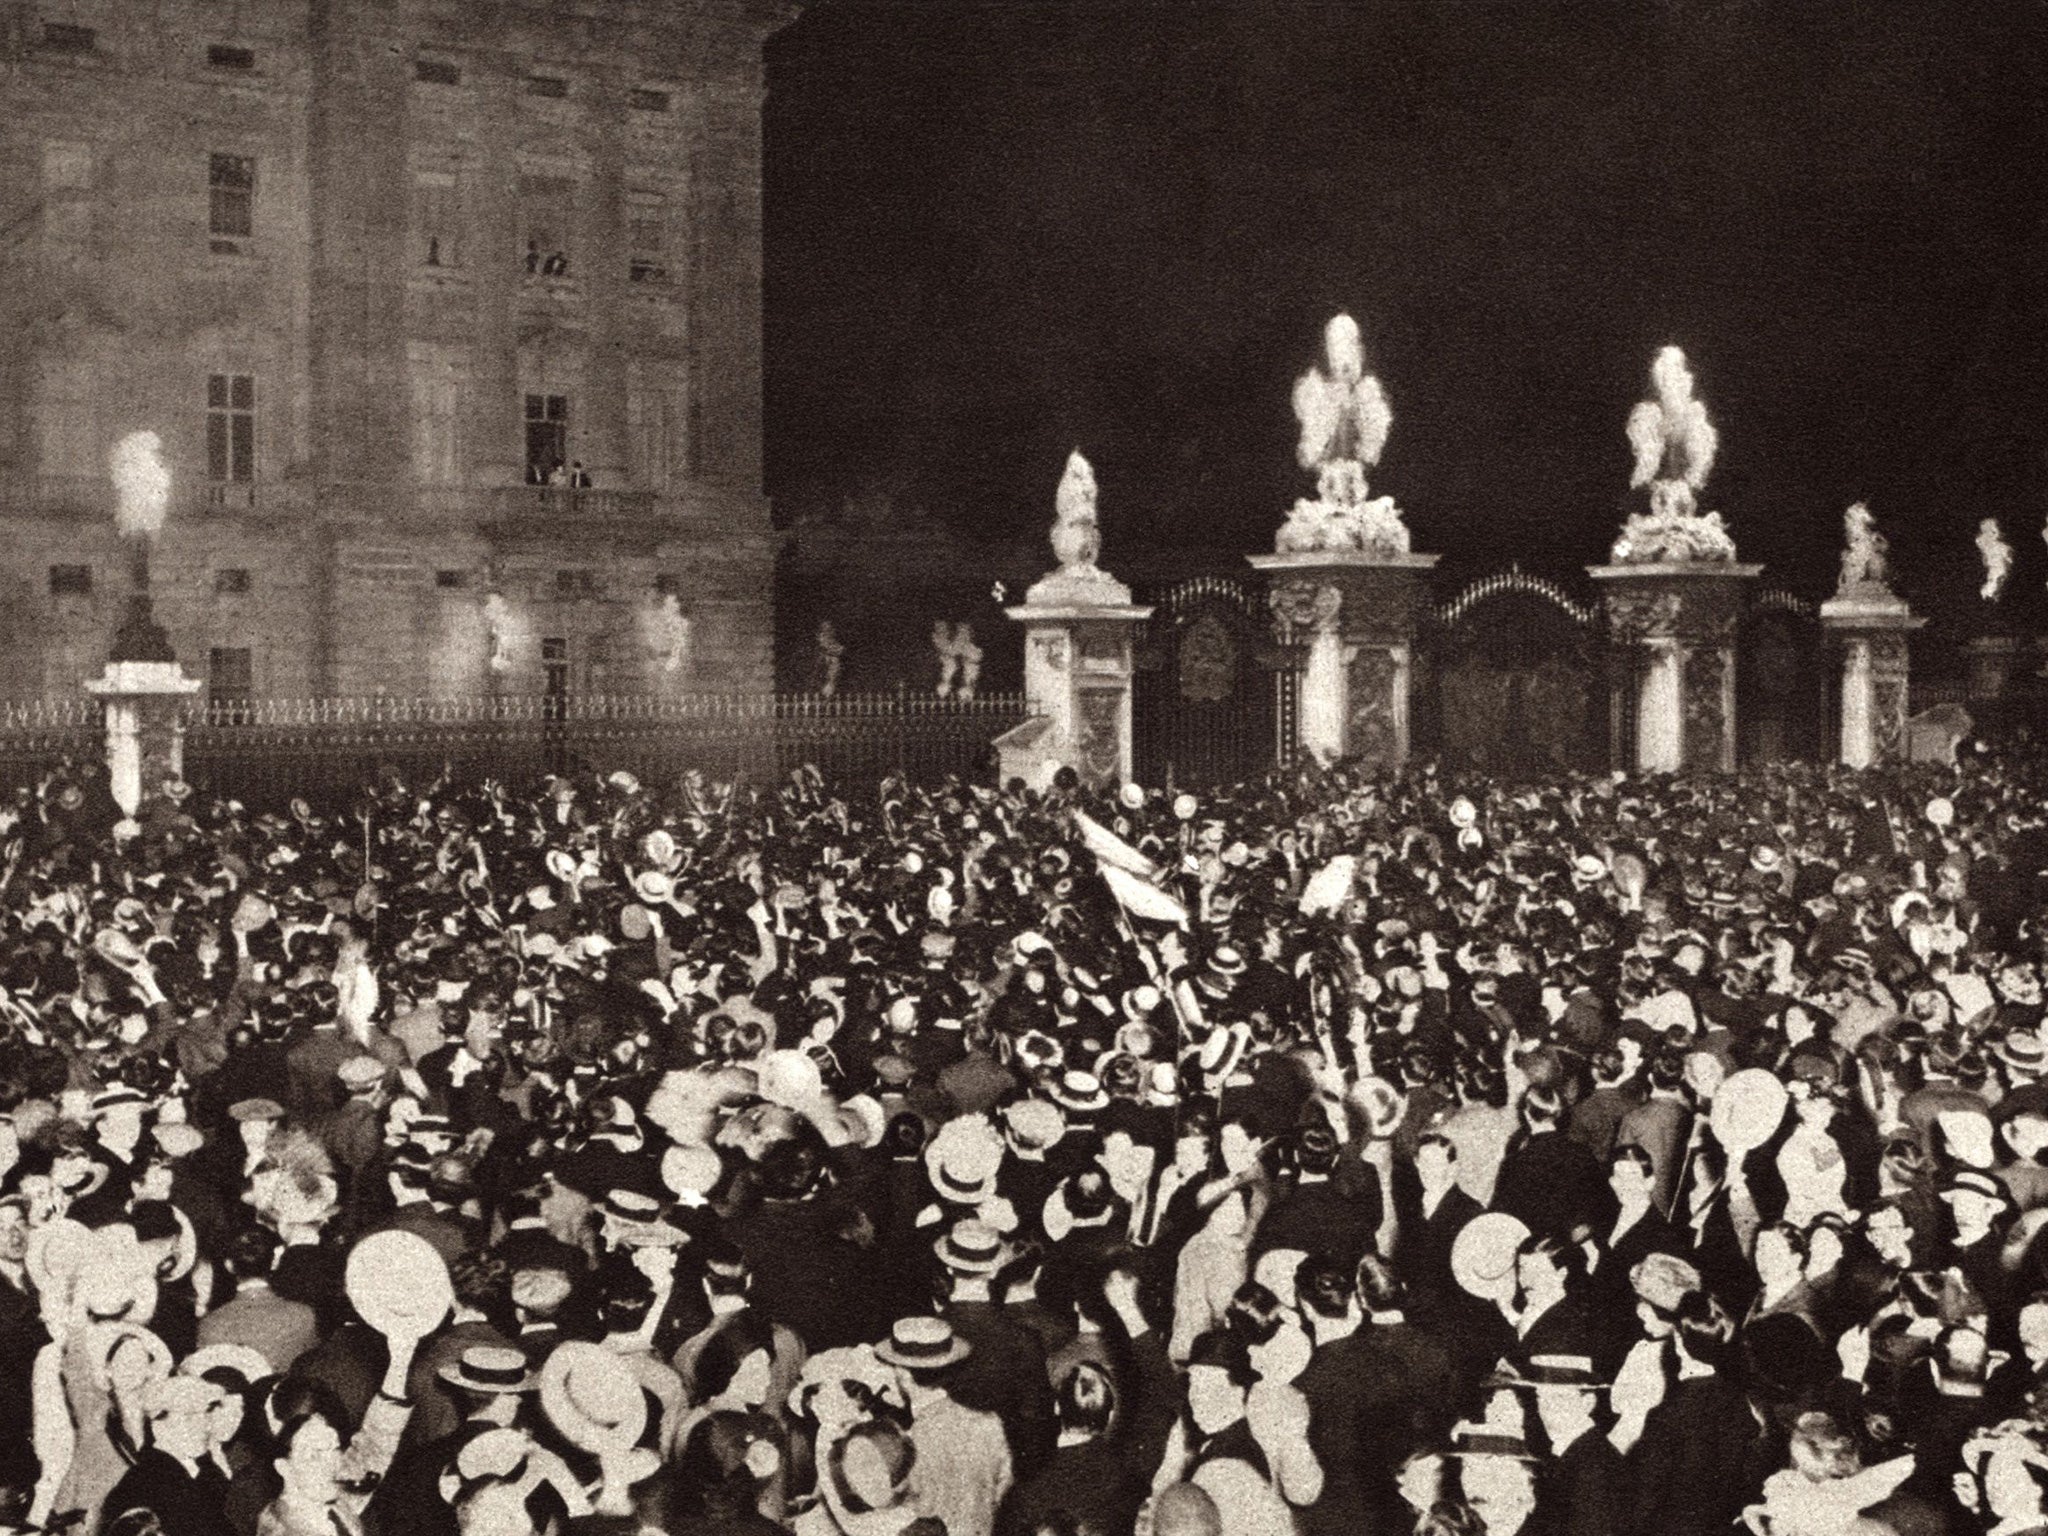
1662, 1125
1553, 1319
1336, 1383
1410, 1391
1548, 1180
1005, 1375
1430, 1228
1639, 1230
174, 1479
22, 1335
277, 1328
1315, 1214
1580, 1487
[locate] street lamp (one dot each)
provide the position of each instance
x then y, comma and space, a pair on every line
142, 486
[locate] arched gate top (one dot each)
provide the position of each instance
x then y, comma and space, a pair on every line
1779, 600
1513, 580
1184, 596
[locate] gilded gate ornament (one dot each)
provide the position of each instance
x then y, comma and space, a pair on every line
1307, 605
1208, 660
1635, 616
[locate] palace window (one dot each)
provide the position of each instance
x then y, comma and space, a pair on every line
647, 237
231, 200
437, 219
67, 429
651, 426
545, 204
436, 72
70, 581
227, 56
547, 436
230, 428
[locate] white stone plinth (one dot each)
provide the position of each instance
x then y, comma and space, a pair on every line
1077, 680
145, 735
1356, 612
1871, 628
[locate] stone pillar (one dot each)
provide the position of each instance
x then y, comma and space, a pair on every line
1357, 613
1679, 620
1872, 632
1077, 682
145, 728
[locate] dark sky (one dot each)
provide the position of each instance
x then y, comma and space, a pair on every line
1000, 230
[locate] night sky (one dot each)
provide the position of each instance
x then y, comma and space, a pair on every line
996, 231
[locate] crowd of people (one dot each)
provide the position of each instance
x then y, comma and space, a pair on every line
1338, 1154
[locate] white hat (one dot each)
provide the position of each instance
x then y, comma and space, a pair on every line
1483, 1256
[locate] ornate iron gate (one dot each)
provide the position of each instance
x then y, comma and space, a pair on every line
1210, 687
1786, 706
1515, 679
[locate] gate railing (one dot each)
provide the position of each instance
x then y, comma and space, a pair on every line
265, 751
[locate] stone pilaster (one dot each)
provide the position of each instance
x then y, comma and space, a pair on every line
1356, 614
1077, 680
1872, 632
1678, 622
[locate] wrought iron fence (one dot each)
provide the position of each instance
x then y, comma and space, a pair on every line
36, 735
265, 751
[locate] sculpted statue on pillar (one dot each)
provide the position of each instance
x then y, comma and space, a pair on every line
1674, 447
1344, 419
1865, 567
1997, 557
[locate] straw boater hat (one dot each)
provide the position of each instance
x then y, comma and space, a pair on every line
972, 1248
239, 1360
1971, 1181
1034, 1124
2021, 1049
1472, 1439
488, 1369
115, 1097
923, 1344
1078, 1092
597, 1406
963, 1161
1222, 1049
1550, 1371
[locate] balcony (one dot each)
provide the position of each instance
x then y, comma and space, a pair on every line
528, 502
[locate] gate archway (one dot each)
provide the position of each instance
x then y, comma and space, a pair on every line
1209, 685
1515, 678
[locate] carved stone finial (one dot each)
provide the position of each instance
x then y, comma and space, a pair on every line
1076, 544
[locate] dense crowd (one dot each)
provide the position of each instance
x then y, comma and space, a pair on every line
1330, 1155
